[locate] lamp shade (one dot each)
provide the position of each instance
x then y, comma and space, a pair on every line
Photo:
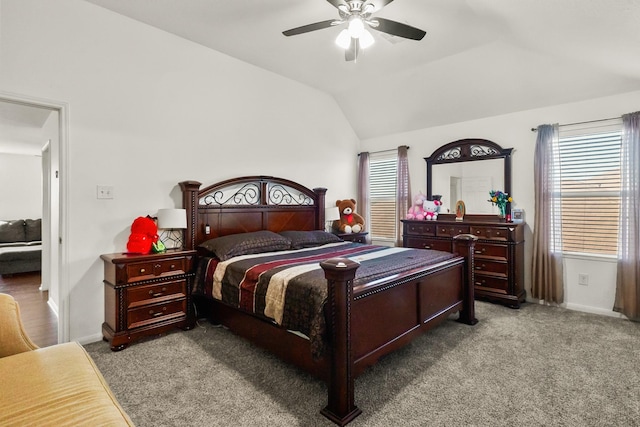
331, 214
172, 218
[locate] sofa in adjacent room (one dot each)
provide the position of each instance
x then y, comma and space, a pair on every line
20, 246
53, 386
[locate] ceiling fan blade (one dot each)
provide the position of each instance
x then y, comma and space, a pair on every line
337, 3
351, 54
383, 3
397, 29
311, 27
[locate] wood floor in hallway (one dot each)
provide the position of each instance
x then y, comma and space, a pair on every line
40, 322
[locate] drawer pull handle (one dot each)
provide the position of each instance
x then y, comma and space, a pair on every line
173, 266
480, 283
159, 313
157, 294
158, 265
477, 232
142, 270
427, 246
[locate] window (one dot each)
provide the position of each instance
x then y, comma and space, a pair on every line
382, 186
589, 184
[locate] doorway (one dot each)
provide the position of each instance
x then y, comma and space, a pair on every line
20, 114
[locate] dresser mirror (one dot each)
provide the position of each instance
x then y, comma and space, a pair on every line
467, 170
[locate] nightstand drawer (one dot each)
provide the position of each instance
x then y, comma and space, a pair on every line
150, 314
137, 271
498, 252
150, 294
494, 268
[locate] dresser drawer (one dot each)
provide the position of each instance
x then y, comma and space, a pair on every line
150, 314
491, 233
438, 245
137, 271
451, 231
492, 251
492, 284
493, 268
151, 294
424, 228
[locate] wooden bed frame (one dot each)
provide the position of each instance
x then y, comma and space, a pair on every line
363, 322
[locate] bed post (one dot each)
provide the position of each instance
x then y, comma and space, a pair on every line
320, 193
190, 203
464, 245
339, 273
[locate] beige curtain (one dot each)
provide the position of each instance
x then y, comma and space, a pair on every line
364, 203
547, 275
403, 188
627, 299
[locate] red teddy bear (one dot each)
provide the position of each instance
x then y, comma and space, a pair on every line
144, 233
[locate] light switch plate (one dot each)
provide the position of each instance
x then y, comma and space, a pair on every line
105, 192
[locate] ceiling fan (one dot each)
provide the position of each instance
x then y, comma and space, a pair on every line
357, 14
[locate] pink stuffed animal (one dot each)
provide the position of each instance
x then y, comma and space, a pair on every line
417, 211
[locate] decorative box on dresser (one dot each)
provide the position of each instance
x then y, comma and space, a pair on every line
146, 295
499, 252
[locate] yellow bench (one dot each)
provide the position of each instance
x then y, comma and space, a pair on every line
52, 386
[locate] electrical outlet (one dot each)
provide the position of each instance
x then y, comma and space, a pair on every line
105, 192
583, 279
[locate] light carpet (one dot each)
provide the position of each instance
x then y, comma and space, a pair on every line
536, 366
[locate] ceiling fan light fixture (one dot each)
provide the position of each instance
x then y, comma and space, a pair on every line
366, 39
356, 26
344, 39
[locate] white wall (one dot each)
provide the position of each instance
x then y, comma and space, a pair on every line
20, 186
514, 130
147, 110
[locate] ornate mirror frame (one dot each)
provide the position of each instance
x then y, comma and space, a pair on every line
469, 150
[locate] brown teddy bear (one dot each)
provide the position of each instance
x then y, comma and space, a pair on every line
350, 221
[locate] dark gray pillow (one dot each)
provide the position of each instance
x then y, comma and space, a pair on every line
12, 231
33, 229
255, 242
309, 239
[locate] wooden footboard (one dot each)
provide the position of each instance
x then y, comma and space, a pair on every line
375, 319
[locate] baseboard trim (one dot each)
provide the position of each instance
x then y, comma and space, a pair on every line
53, 306
594, 310
89, 339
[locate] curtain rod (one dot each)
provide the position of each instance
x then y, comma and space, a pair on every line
581, 123
384, 151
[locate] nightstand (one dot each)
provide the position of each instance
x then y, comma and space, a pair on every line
146, 295
354, 237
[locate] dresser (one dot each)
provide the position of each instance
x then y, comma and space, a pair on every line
498, 255
146, 295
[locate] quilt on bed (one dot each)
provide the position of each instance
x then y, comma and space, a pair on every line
289, 287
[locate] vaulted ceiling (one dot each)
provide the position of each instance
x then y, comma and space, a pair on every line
479, 58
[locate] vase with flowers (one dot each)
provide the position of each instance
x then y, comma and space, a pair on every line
500, 199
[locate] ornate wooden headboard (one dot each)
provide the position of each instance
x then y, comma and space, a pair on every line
249, 203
